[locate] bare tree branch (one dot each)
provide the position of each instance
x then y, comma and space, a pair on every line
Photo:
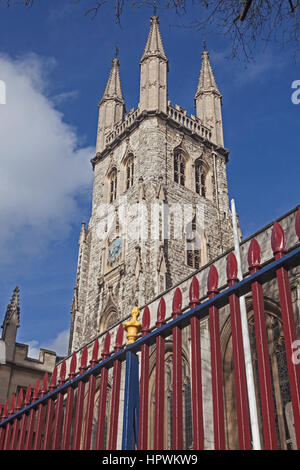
245, 22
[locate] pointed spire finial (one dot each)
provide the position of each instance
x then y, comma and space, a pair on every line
154, 45
207, 81
154, 8
208, 99
13, 307
154, 63
113, 89
116, 50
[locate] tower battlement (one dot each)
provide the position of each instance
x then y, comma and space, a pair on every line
177, 113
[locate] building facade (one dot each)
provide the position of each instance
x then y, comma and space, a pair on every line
17, 368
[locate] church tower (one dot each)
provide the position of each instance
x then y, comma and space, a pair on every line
160, 207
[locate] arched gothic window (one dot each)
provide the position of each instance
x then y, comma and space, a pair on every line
200, 177
179, 168
193, 246
113, 186
193, 258
129, 172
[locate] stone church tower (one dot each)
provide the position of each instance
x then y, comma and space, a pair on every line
160, 205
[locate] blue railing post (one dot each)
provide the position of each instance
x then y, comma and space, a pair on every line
131, 403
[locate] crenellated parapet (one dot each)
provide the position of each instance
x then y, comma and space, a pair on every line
194, 124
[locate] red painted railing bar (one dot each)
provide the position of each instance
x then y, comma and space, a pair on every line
216, 363
242, 406
69, 407
40, 415
23, 424
90, 400
49, 414
9, 425
16, 423
3, 429
264, 371
59, 409
144, 385
197, 406
80, 402
115, 399
102, 396
289, 329
159, 380
31, 418
177, 422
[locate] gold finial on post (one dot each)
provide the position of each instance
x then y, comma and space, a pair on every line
133, 326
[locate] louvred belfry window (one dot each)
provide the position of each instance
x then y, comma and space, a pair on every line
200, 179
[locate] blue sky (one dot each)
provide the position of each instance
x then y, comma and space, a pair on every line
55, 62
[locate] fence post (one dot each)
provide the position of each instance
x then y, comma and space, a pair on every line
102, 396
69, 407
177, 422
115, 394
216, 362
3, 429
197, 405
24, 418
288, 323
264, 371
49, 414
79, 402
16, 422
90, 400
40, 415
31, 418
59, 409
160, 380
131, 403
10, 424
242, 406
144, 391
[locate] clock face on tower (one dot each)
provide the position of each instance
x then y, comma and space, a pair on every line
114, 250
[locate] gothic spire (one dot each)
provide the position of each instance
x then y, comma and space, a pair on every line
11, 323
208, 100
207, 81
111, 106
154, 45
154, 70
113, 89
13, 308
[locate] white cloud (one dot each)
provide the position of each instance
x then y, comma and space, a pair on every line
59, 344
42, 170
67, 95
33, 350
